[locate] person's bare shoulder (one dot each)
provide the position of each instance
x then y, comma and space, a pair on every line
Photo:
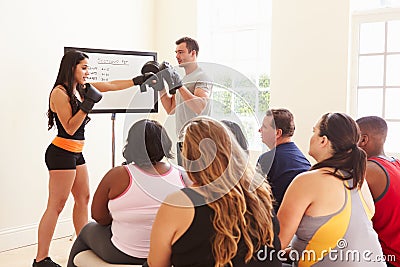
376, 178
309, 177
178, 199
58, 91
116, 181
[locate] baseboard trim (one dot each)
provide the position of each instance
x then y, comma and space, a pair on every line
22, 236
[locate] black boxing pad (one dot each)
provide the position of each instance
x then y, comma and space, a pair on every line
150, 66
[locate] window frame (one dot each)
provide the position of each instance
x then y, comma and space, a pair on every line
358, 18
253, 51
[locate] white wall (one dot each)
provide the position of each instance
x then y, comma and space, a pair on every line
173, 20
308, 65
33, 34
309, 60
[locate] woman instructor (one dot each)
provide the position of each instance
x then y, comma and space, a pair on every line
71, 99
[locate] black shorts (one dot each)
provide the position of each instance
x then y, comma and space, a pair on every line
60, 159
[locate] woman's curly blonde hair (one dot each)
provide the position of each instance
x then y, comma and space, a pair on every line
239, 196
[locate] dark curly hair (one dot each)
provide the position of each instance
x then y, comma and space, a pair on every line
238, 133
147, 143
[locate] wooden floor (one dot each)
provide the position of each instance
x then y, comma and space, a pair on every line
23, 257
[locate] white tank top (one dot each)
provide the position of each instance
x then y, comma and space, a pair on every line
134, 211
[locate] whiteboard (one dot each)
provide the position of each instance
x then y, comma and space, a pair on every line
107, 65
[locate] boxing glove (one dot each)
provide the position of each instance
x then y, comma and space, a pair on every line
171, 77
92, 96
150, 66
139, 80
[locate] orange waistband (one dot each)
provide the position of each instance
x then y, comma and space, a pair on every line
71, 145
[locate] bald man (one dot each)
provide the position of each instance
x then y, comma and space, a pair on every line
383, 177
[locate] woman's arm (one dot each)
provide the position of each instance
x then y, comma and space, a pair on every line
367, 197
60, 104
294, 204
173, 219
113, 85
113, 184
162, 232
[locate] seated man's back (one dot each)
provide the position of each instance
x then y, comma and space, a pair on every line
281, 165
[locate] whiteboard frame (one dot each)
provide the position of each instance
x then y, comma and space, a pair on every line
120, 52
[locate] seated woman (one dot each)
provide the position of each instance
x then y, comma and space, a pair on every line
225, 217
238, 133
127, 199
328, 209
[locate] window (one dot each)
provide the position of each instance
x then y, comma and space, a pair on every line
375, 70
236, 34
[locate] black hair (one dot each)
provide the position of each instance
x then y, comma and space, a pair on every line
65, 78
147, 143
373, 124
237, 131
343, 133
191, 44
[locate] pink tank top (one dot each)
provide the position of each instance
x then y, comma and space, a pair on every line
135, 209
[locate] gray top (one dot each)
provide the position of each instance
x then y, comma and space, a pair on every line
348, 232
196, 79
